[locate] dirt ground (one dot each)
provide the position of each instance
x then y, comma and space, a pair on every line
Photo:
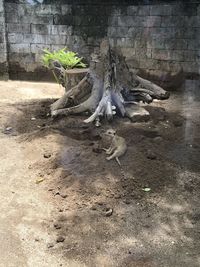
63, 204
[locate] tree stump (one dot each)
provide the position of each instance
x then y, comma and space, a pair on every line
108, 88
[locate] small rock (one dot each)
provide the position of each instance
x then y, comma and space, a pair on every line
8, 128
39, 180
61, 210
151, 155
47, 155
127, 201
37, 239
57, 226
108, 212
63, 195
93, 208
33, 119
50, 189
50, 245
137, 113
60, 239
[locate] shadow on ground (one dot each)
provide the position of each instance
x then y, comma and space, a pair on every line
102, 215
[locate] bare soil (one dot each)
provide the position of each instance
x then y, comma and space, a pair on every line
63, 204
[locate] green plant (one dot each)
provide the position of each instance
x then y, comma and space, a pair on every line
67, 59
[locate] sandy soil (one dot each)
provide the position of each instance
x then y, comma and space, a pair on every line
63, 204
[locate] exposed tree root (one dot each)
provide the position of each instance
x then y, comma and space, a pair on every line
107, 88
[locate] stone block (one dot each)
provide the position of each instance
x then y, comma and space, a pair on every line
132, 10
2, 37
112, 31
40, 29
117, 11
128, 52
36, 19
144, 10
161, 10
10, 7
191, 56
36, 38
165, 32
2, 28
152, 64
56, 39
177, 55
15, 38
126, 21
1, 6
38, 48
156, 43
3, 57
176, 44
61, 30
43, 9
89, 20
173, 21
142, 53
66, 9
134, 32
117, 31
55, 9
193, 44
137, 113
12, 17
192, 21
2, 47
161, 54
184, 8
125, 42
25, 10
62, 20
18, 28
152, 21
56, 47
193, 67
113, 21
19, 48
94, 41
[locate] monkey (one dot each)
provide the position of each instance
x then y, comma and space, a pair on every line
117, 148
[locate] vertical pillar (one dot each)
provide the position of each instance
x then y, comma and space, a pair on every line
3, 44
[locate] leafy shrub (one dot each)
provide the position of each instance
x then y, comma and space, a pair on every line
67, 59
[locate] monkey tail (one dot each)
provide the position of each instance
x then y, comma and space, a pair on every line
117, 159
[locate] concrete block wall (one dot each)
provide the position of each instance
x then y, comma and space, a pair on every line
159, 38
3, 44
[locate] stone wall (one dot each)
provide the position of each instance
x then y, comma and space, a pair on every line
3, 44
159, 38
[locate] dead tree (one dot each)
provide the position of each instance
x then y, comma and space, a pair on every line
107, 88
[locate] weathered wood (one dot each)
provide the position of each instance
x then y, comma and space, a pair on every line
107, 88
